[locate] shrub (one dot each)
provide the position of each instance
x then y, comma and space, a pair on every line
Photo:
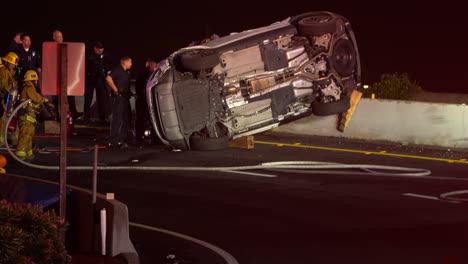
395, 86
29, 235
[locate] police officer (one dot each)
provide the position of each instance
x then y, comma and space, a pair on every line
142, 121
98, 64
7, 83
16, 43
119, 81
29, 58
27, 118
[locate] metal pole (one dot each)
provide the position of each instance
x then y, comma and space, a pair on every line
94, 191
95, 173
63, 127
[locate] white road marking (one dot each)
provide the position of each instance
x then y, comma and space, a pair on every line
227, 257
252, 173
421, 196
428, 197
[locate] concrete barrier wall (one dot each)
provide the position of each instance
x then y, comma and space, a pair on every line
85, 229
435, 124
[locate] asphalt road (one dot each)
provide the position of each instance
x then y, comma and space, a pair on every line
284, 216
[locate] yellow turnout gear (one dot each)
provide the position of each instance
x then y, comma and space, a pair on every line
31, 75
11, 58
7, 82
27, 124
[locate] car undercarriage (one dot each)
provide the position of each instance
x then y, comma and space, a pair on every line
249, 82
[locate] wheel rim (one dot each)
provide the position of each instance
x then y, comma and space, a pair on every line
344, 59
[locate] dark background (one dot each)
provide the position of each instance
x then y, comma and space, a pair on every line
424, 40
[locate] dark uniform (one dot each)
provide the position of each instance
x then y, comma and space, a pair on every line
142, 121
14, 44
28, 60
97, 66
14, 47
120, 106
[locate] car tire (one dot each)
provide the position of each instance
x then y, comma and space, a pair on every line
198, 60
344, 58
333, 108
317, 24
203, 143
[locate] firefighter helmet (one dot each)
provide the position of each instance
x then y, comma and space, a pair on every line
11, 58
31, 76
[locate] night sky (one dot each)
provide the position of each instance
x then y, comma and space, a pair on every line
426, 41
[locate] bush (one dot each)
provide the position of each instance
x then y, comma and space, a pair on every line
29, 235
396, 86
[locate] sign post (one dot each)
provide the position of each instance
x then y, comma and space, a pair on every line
63, 127
63, 75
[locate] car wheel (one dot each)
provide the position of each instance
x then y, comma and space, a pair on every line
198, 142
332, 108
198, 60
317, 24
343, 58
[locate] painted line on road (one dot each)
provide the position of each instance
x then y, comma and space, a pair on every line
227, 257
421, 196
427, 197
252, 173
365, 152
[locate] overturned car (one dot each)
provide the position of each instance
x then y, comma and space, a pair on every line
202, 96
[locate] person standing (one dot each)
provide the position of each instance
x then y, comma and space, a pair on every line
119, 82
27, 118
16, 43
29, 58
98, 64
57, 36
142, 121
7, 83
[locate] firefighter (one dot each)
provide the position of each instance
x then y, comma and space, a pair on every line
27, 117
7, 83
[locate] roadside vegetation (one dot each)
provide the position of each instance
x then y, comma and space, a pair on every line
30, 235
393, 86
